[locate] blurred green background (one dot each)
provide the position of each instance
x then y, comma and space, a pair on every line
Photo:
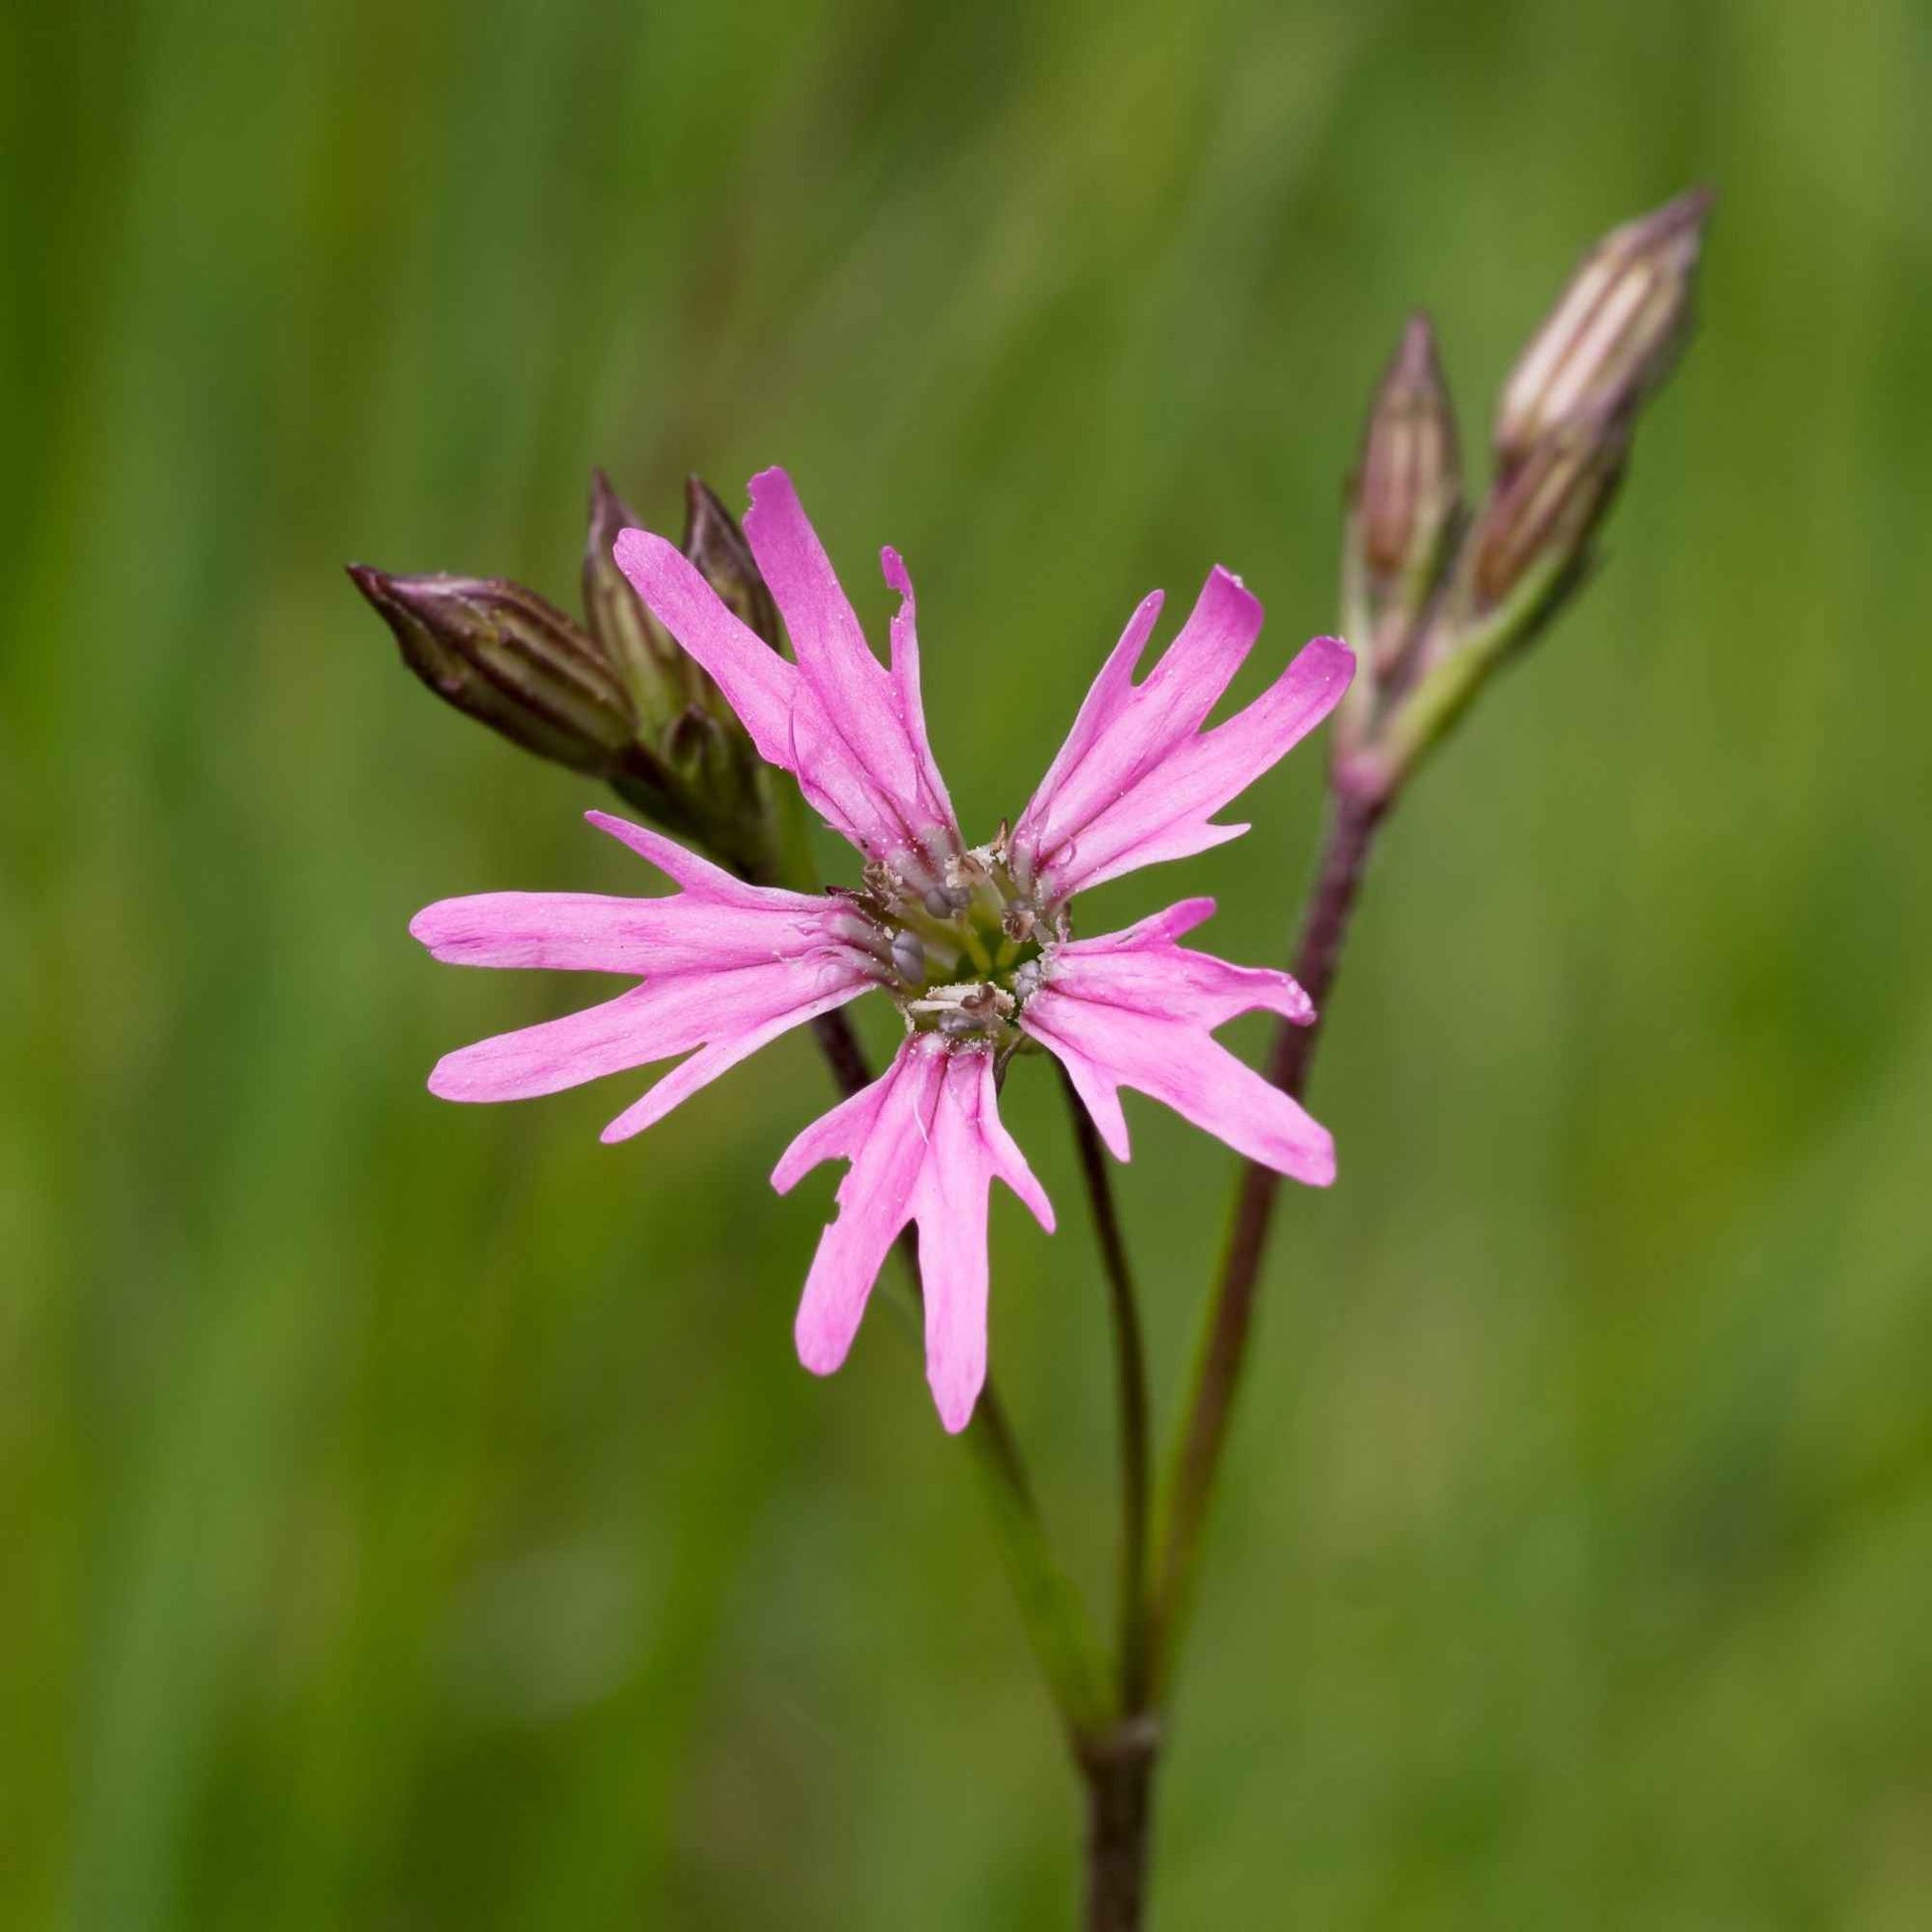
414, 1516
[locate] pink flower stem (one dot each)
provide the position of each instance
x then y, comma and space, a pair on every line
1352, 823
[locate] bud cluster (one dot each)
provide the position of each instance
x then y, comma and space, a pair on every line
614, 696
1436, 596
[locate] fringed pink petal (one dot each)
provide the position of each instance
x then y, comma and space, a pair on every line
726, 968
565, 932
910, 692
874, 1201
1138, 782
1142, 969
951, 1206
851, 731
1139, 726
757, 683
1168, 814
1110, 694
1134, 1009
836, 1136
925, 1144
718, 1057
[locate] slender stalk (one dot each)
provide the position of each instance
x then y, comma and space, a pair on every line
1119, 1773
1346, 844
1130, 1370
1118, 1765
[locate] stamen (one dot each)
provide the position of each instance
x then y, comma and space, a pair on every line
909, 957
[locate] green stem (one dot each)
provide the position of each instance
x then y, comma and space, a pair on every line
1204, 1431
1130, 1370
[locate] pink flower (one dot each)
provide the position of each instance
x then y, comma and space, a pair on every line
972, 944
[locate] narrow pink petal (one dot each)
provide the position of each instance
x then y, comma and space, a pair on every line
1117, 856
911, 697
720, 1056
658, 1020
1165, 813
1201, 661
1138, 782
1167, 708
874, 1201
1142, 968
1184, 1068
1133, 1009
925, 1142
851, 731
586, 932
1165, 816
697, 875
549, 1057
1212, 989
861, 700
775, 699
1099, 1092
1109, 694
835, 1136
1158, 929
951, 1205
726, 967
757, 683
1002, 1150
557, 931
825, 633
977, 1093
718, 920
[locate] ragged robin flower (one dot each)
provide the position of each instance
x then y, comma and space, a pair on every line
974, 944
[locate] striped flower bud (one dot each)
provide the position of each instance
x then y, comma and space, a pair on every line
504, 657
1615, 332
1405, 496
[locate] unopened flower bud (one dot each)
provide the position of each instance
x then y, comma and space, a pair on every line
505, 656
681, 714
715, 545
617, 696
661, 679
1531, 540
1615, 330
1408, 485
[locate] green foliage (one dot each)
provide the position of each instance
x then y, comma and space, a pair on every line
414, 1516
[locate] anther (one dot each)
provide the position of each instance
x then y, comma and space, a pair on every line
908, 958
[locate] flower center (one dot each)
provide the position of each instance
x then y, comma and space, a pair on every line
964, 954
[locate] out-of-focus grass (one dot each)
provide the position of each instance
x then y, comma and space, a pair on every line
413, 1516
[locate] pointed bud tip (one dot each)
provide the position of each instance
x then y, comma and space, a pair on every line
1417, 363
1683, 214
1615, 333
718, 547
508, 658
376, 586
1408, 483
701, 504
603, 494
